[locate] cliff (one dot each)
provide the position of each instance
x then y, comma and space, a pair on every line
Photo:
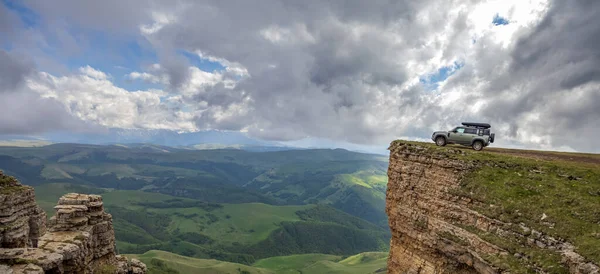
79, 238
454, 210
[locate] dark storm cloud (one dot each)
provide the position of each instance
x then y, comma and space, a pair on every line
569, 35
322, 71
177, 69
13, 69
559, 62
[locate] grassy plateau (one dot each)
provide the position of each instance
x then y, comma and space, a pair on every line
557, 194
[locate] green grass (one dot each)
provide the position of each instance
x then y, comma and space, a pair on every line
251, 222
368, 262
241, 223
185, 265
520, 195
236, 223
294, 263
54, 171
227, 225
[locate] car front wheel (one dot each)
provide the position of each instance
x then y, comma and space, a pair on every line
477, 145
440, 141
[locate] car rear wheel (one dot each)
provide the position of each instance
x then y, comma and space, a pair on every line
478, 145
440, 141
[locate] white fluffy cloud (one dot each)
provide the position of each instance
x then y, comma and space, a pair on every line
91, 96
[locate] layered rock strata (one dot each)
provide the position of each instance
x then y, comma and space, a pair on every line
79, 238
22, 221
425, 218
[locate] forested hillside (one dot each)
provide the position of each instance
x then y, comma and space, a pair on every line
224, 204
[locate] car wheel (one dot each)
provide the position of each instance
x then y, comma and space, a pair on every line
477, 145
440, 141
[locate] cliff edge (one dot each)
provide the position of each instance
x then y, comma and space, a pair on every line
455, 210
79, 238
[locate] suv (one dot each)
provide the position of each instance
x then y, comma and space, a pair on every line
476, 135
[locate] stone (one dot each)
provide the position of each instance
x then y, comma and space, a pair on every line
79, 238
22, 221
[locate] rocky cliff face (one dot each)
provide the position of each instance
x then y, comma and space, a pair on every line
22, 221
435, 228
79, 238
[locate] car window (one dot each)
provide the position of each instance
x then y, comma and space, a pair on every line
471, 131
460, 130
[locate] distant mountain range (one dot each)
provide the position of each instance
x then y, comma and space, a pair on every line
212, 139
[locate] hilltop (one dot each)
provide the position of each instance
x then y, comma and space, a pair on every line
452, 209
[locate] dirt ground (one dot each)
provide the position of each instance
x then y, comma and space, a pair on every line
544, 155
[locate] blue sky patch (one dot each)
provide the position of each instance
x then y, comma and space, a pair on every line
28, 17
201, 63
498, 20
431, 81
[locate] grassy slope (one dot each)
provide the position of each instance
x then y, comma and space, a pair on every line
368, 262
243, 223
142, 224
522, 186
185, 265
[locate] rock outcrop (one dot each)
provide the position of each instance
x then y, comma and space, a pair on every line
429, 221
79, 237
22, 221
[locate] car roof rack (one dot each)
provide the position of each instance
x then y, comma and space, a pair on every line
477, 125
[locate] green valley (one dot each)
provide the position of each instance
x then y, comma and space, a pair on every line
165, 262
223, 207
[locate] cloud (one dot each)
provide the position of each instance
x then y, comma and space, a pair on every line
24, 111
91, 96
27, 113
348, 71
13, 70
7, 23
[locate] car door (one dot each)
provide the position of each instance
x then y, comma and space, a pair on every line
469, 135
457, 135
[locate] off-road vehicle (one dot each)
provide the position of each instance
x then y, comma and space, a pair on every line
476, 135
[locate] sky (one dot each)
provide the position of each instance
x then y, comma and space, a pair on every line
335, 73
